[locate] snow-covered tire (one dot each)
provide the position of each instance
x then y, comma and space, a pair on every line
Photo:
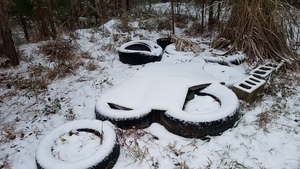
104, 156
226, 74
191, 125
140, 52
171, 50
140, 118
164, 42
225, 60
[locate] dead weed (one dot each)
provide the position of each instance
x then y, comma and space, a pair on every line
60, 51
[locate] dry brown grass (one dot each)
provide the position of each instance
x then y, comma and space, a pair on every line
62, 53
30, 86
261, 29
59, 50
266, 118
37, 77
185, 44
132, 146
91, 65
5, 163
85, 55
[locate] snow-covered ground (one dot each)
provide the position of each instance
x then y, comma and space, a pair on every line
265, 136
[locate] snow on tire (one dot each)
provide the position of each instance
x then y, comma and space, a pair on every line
171, 50
224, 60
123, 117
140, 52
199, 125
80, 144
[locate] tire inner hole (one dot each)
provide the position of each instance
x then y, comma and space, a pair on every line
201, 103
77, 145
138, 47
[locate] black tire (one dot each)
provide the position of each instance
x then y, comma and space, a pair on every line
171, 50
109, 111
200, 126
140, 52
225, 60
105, 157
163, 42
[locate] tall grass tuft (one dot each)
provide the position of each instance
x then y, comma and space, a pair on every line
263, 29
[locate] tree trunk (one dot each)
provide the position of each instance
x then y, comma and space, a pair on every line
50, 14
202, 17
127, 6
150, 4
41, 18
8, 42
123, 3
219, 10
102, 10
211, 14
173, 17
24, 25
75, 10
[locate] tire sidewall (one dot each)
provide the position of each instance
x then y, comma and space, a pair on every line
136, 57
108, 151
